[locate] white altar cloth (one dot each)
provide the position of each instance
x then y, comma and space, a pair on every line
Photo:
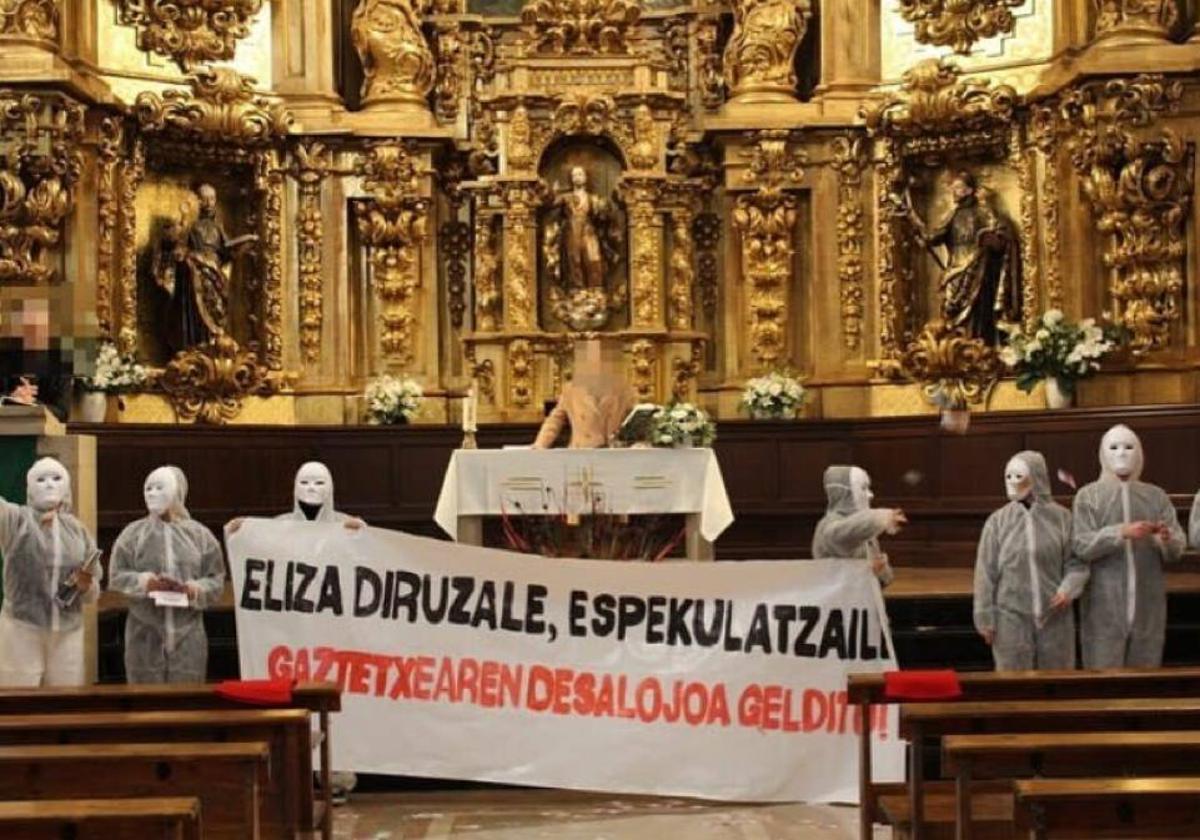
488, 482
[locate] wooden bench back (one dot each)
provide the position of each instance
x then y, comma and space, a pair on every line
935, 719
102, 819
314, 696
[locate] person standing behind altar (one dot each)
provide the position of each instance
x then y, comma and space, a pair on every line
850, 528
1026, 575
594, 402
1125, 529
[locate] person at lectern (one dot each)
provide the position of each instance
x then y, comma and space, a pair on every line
594, 402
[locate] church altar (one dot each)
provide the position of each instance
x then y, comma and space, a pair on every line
489, 482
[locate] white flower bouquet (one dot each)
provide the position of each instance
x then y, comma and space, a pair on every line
1057, 349
773, 396
392, 400
115, 372
682, 424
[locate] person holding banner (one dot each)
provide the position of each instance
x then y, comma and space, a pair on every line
850, 528
1026, 574
48, 560
170, 566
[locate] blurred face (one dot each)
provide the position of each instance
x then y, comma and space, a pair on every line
312, 485
578, 177
860, 488
208, 198
1018, 481
1120, 452
160, 491
47, 488
33, 321
961, 189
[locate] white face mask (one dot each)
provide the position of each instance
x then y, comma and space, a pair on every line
1121, 452
1018, 482
312, 485
47, 487
160, 491
860, 488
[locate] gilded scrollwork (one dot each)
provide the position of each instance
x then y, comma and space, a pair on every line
221, 106
706, 232
454, 242
646, 253
580, 27
519, 282
1139, 186
959, 25
449, 88
685, 372
37, 20
1045, 138
645, 153
681, 274
518, 149
132, 175
760, 58
108, 155
208, 384
642, 366
487, 275
311, 164
398, 65
190, 32
710, 76
1027, 181
954, 369
1136, 21
849, 162
520, 372
40, 165
392, 222
268, 183
483, 373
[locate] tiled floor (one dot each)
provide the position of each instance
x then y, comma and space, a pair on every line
564, 815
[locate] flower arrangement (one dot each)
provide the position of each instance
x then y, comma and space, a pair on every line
773, 396
1058, 350
682, 424
114, 373
392, 400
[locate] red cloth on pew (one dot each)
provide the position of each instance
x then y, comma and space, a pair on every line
257, 692
921, 685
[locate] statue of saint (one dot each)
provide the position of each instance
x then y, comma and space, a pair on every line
586, 235
193, 267
980, 284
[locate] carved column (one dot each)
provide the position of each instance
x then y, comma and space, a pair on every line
28, 25
645, 256
398, 65
487, 274
850, 49
313, 161
1132, 22
520, 288
682, 274
303, 60
759, 62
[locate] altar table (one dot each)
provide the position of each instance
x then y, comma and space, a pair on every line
488, 482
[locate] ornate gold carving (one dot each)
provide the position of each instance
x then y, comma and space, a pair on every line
484, 374
645, 253
1136, 21
1139, 187
710, 76
393, 226
448, 90
398, 65
686, 371
454, 241
312, 163
268, 285
1046, 139
676, 46
208, 384
953, 369
646, 153
221, 106
934, 101
520, 136
681, 276
580, 27
707, 233
641, 368
849, 162
40, 165
958, 24
35, 19
189, 31
1027, 182
520, 373
131, 178
487, 276
895, 274
519, 302
108, 154
760, 57
766, 221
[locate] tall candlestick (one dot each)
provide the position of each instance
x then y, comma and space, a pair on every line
470, 405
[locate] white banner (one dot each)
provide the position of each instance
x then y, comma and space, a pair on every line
717, 680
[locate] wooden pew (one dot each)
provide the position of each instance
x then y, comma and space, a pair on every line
920, 720
320, 698
173, 818
867, 690
1017, 755
289, 793
226, 778
1088, 809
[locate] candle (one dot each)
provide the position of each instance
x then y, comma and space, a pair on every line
468, 411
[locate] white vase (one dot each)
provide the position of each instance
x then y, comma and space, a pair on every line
93, 406
1056, 395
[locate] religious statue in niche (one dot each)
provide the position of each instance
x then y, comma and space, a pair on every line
581, 246
978, 255
191, 264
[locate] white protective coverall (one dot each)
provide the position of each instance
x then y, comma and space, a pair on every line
1124, 608
850, 528
41, 643
1024, 559
166, 644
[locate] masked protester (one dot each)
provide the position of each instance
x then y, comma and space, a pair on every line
850, 528
47, 578
1125, 530
167, 551
1026, 575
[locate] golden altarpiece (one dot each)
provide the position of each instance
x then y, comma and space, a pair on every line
270, 203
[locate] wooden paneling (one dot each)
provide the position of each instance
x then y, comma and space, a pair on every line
391, 476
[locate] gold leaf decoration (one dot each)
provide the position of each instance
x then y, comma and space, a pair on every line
208, 384
580, 27
959, 24
954, 369
189, 31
